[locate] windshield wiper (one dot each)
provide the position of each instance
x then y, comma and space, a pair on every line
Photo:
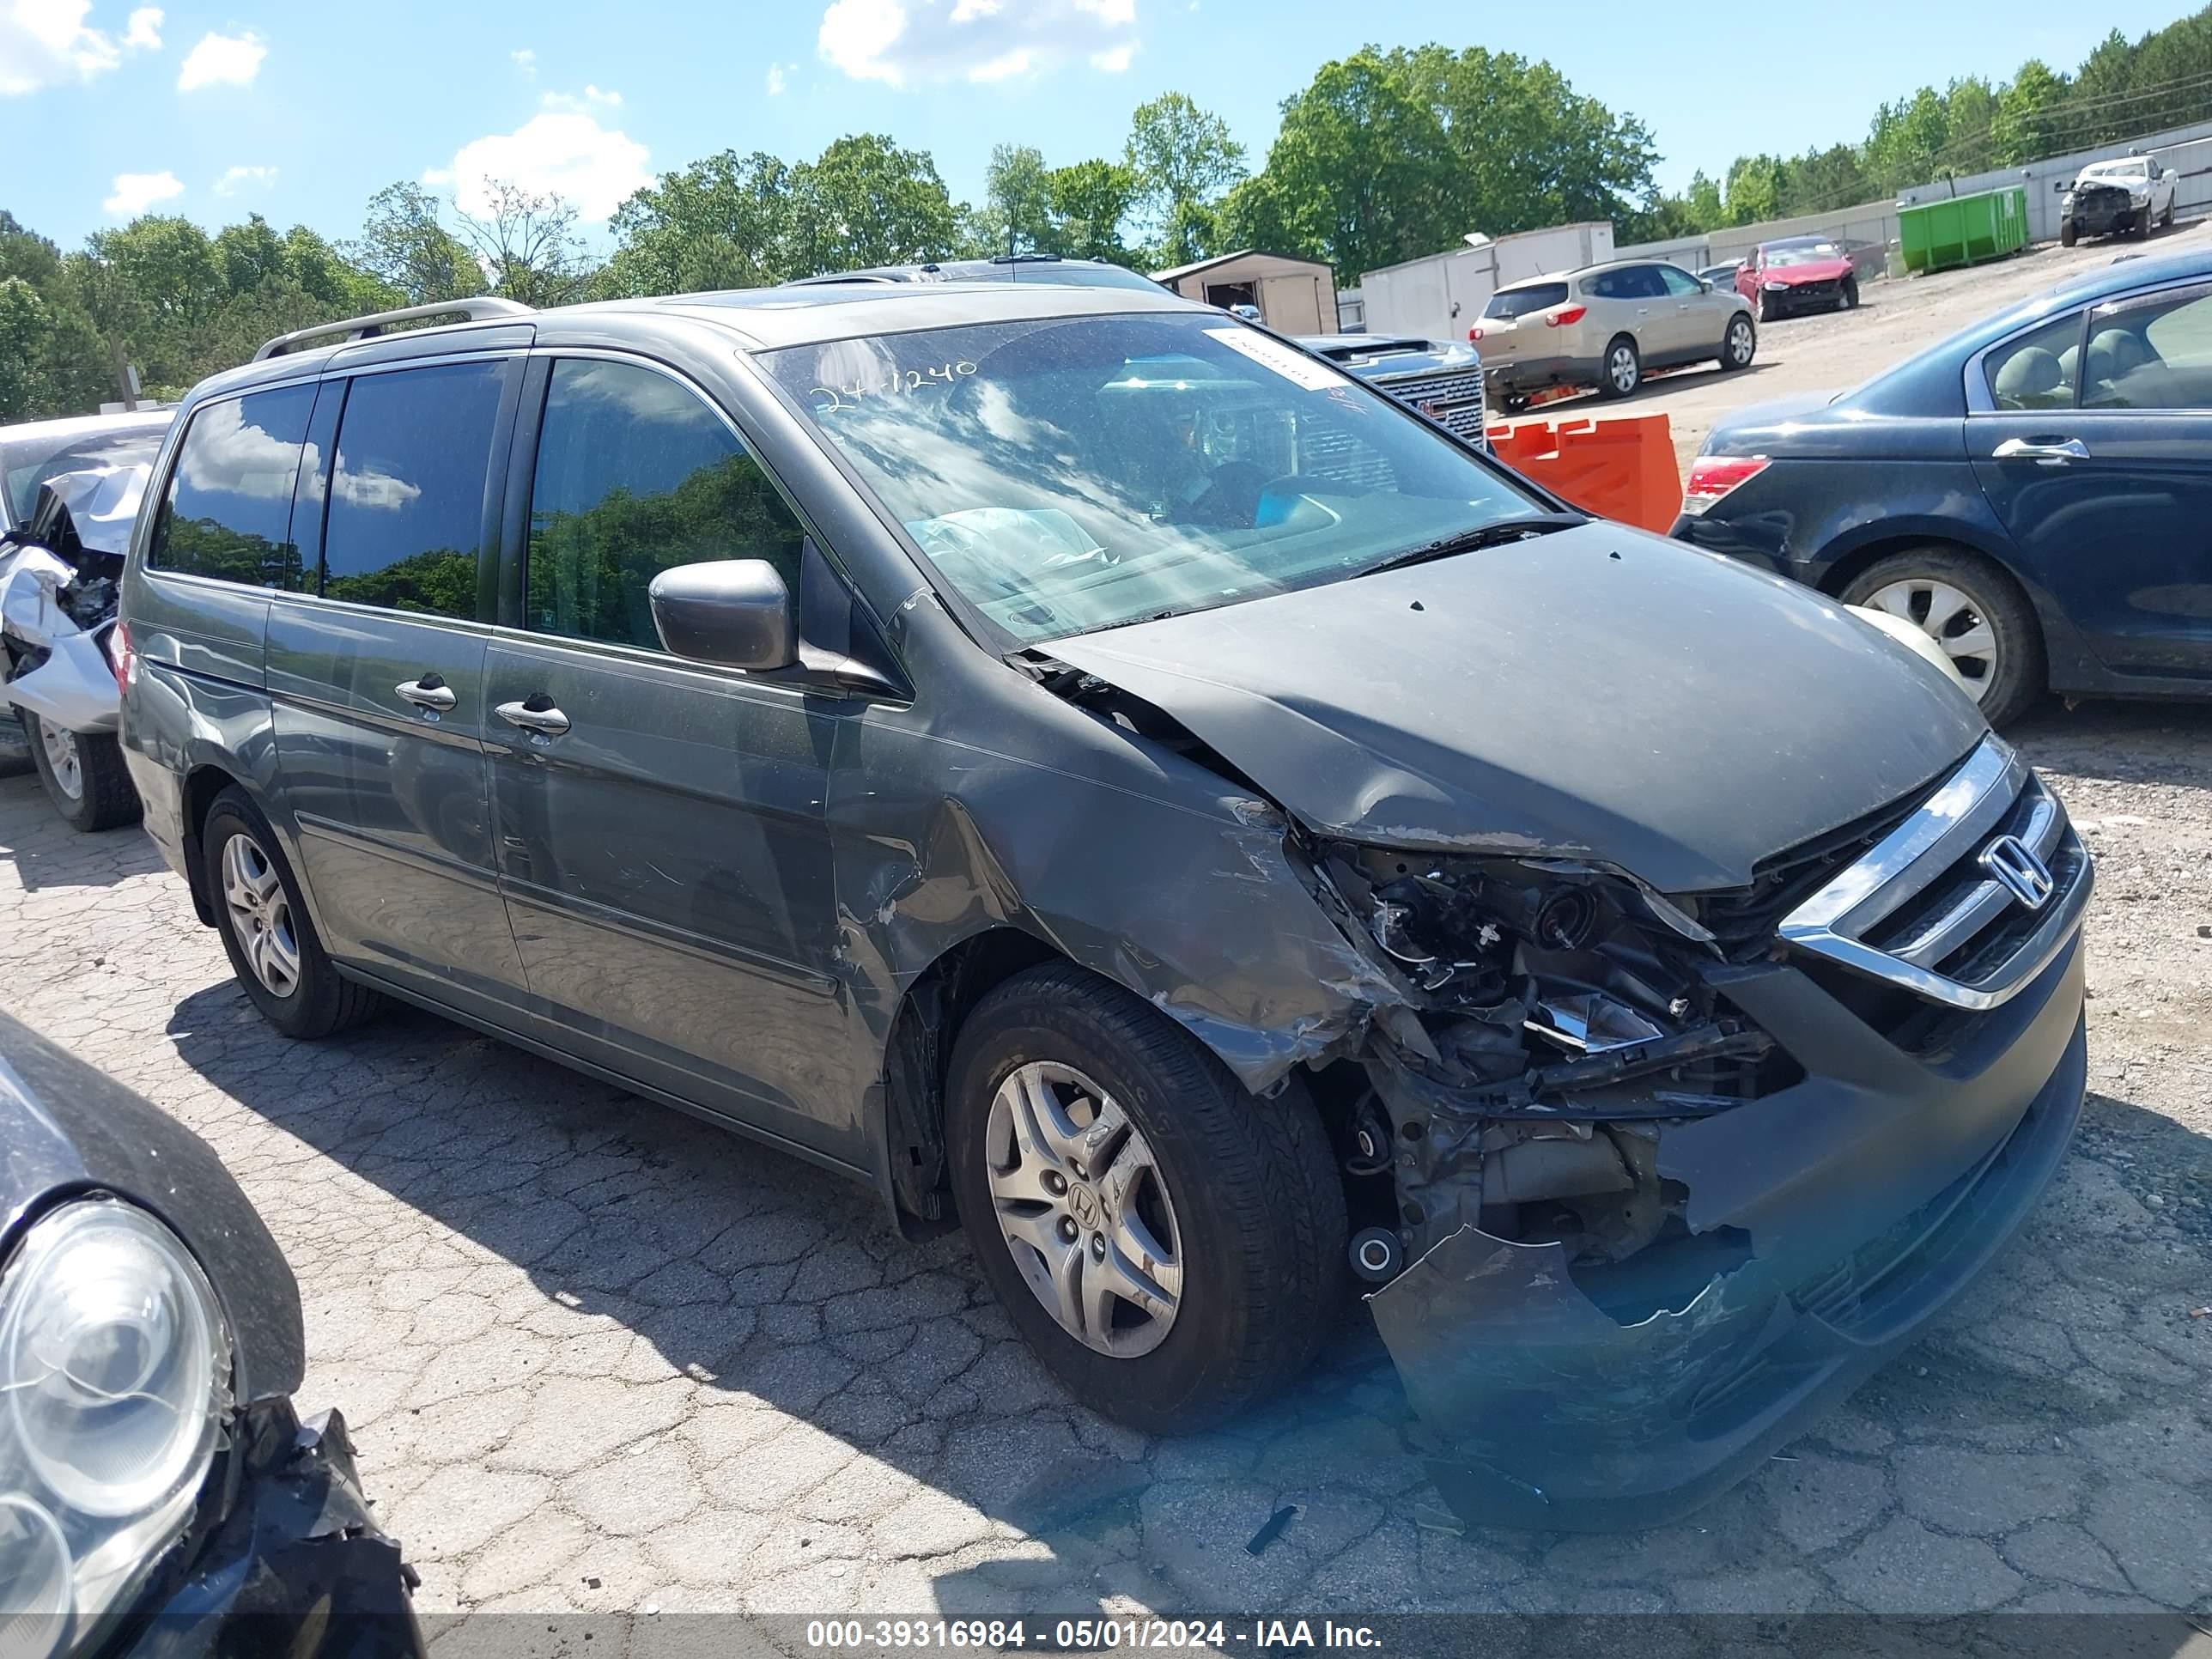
1483, 535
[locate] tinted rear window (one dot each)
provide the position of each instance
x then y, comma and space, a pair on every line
407, 495
1511, 303
228, 511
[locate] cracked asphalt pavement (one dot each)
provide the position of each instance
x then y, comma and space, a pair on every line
600, 1357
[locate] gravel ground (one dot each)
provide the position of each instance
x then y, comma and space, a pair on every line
601, 1358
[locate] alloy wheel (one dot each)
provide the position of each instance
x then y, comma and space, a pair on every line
1086, 1215
1949, 616
1621, 367
1738, 341
63, 759
261, 915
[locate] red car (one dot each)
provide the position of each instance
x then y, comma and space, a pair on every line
1798, 273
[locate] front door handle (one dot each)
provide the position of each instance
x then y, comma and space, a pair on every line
535, 714
2054, 451
430, 693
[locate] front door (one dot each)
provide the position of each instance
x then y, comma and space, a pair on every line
2104, 477
1700, 316
661, 824
376, 677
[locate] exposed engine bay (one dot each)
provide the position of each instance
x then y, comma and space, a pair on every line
1560, 1022
58, 578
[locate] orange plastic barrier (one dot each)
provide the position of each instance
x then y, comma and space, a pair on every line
1620, 468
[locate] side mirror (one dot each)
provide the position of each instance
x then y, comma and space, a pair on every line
2059, 187
735, 613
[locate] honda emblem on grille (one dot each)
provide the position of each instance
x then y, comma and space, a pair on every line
2025, 876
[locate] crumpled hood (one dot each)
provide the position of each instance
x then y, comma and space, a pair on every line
1821, 270
1597, 692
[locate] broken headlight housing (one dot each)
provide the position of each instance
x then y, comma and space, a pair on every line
114, 1381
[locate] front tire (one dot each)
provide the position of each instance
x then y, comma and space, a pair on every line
1622, 371
1171, 1247
266, 932
1973, 610
84, 775
2069, 233
1848, 299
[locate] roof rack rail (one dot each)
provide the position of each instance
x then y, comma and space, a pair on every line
361, 328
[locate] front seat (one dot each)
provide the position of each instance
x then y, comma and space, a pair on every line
2031, 379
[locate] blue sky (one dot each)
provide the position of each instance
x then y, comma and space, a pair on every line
300, 111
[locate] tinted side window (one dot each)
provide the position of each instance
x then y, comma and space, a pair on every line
406, 520
2040, 369
228, 512
2152, 353
635, 475
1643, 282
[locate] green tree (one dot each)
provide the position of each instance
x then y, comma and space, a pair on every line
1016, 217
405, 245
2030, 115
1182, 158
1359, 174
864, 201
24, 330
1091, 200
529, 243
721, 222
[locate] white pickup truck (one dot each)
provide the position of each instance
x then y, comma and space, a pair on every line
2131, 195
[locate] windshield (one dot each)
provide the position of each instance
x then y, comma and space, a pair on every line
1804, 253
26, 465
1077, 473
1511, 303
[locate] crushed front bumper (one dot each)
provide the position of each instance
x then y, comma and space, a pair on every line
1828, 1222
296, 1568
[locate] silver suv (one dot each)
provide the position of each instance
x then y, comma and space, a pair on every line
1605, 326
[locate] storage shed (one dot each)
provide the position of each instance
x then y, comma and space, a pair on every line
1295, 296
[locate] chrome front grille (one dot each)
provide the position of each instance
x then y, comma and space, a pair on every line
1968, 899
1453, 400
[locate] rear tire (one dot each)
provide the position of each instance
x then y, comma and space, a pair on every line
1740, 344
1621, 369
1251, 1204
294, 985
84, 775
1934, 587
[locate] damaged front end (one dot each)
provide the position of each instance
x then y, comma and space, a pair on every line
58, 578
1635, 1198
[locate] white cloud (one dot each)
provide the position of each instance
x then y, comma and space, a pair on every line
583, 102
776, 80
144, 32
222, 60
560, 152
526, 60
45, 43
1005, 66
901, 42
137, 192
234, 179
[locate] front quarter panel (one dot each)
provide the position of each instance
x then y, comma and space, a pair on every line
1003, 805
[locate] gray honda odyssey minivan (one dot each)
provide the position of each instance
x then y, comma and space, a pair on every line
1102, 775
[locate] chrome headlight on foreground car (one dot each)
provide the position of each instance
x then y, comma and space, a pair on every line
114, 1381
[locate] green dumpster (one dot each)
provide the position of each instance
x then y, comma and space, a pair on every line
1964, 230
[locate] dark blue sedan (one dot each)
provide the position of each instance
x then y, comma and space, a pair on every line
2035, 492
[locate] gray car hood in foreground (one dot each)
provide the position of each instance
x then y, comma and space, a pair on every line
1597, 692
